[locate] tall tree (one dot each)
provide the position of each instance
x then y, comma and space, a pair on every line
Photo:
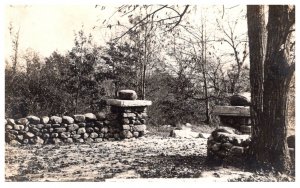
270, 96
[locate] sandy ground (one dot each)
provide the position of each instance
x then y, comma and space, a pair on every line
148, 157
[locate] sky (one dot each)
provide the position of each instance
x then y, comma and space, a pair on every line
46, 28
52, 27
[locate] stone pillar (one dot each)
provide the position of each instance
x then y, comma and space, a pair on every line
129, 114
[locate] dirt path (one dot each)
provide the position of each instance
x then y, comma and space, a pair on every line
149, 157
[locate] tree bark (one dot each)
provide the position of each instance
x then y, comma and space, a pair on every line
257, 46
270, 131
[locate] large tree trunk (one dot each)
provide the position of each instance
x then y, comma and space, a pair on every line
270, 145
257, 45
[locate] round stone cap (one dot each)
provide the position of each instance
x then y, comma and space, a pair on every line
127, 94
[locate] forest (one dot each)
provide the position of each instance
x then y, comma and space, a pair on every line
188, 68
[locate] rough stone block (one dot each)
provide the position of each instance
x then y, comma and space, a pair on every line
127, 94
126, 127
93, 135
55, 119
33, 119
81, 124
30, 135
90, 117
67, 120
245, 129
237, 150
60, 130
89, 130
8, 127
23, 121
81, 130
45, 119
56, 125
79, 118
11, 121
39, 126
139, 128
65, 135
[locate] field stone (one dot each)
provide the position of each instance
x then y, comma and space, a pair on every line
55, 125
100, 116
69, 140
20, 137
90, 117
73, 127
45, 119
65, 135
126, 127
139, 128
5, 121
89, 130
45, 130
216, 147
99, 123
245, 129
56, 141
237, 150
89, 140
85, 135
23, 121
45, 136
30, 135
98, 140
81, 130
104, 130
127, 134
67, 120
227, 146
38, 134
33, 119
8, 127
47, 125
125, 121
11, 121
81, 124
79, 118
54, 135
25, 141
15, 132
96, 129
14, 143
127, 95
76, 136
242, 99
56, 119
38, 141
39, 126
60, 130
51, 130
9, 137
93, 135
136, 134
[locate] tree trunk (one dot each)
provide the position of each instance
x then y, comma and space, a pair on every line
257, 43
270, 132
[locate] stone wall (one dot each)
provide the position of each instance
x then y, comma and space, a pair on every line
126, 120
225, 143
237, 117
80, 128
